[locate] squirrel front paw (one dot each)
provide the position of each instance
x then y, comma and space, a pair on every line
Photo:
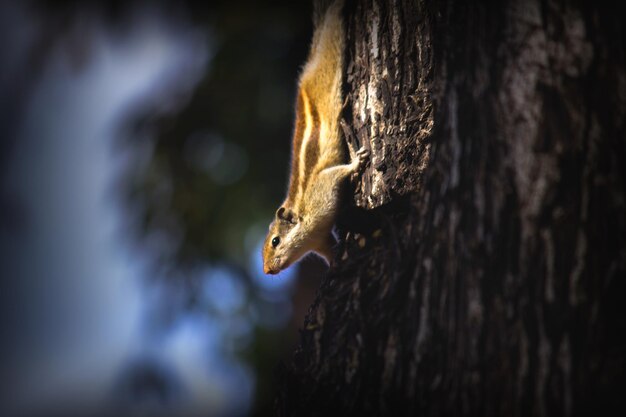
361, 159
358, 163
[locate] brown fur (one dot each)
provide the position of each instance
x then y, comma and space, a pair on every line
298, 131
305, 220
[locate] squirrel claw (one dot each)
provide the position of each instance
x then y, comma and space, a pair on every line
363, 156
359, 162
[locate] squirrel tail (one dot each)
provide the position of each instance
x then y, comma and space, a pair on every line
320, 7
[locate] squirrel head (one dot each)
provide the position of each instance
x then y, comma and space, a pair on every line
283, 244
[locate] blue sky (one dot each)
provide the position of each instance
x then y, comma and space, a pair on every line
84, 287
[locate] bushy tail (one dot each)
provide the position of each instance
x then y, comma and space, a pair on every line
321, 6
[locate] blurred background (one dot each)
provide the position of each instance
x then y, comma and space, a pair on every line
144, 149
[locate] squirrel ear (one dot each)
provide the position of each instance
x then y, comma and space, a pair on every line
286, 214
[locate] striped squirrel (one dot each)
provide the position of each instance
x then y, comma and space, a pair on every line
305, 220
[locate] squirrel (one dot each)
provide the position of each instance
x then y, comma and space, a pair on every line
305, 220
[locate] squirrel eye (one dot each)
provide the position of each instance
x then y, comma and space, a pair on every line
275, 241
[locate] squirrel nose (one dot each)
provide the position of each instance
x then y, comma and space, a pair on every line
272, 267
270, 271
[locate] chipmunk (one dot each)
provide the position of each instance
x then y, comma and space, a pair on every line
305, 220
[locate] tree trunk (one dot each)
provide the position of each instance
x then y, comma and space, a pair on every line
488, 277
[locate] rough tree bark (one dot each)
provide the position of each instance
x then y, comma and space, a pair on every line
489, 275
